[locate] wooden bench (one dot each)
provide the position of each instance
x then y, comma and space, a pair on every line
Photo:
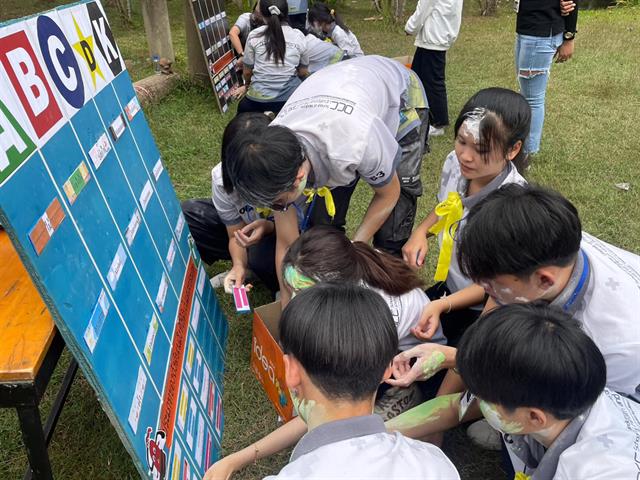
30, 347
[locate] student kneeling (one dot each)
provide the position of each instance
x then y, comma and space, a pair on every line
339, 341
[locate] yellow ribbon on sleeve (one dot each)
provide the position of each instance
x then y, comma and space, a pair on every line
450, 213
325, 193
521, 476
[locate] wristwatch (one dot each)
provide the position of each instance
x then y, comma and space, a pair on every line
569, 35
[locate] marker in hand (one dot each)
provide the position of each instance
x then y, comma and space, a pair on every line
241, 299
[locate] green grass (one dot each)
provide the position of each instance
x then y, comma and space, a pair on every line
590, 143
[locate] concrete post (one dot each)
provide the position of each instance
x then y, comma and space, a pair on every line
156, 25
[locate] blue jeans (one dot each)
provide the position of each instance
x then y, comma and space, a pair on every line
534, 56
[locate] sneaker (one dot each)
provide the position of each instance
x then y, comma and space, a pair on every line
436, 131
396, 400
217, 281
485, 436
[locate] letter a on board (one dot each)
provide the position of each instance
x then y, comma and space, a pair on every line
15, 144
104, 38
29, 83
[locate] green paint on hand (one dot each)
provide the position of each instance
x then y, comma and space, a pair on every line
432, 364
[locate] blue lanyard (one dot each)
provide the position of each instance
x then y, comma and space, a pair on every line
581, 283
307, 217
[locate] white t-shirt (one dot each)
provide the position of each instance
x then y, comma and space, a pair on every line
271, 81
347, 42
230, 207
321, 53
360, 448
451, 180
244, 25
347, 117
609, 309
407, 310
602, 444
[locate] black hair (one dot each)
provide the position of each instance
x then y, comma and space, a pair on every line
506, 120
344, 337
255, 20
517, 229
263, 163
532, 355
322, 13
274, 36
241, 123
325, 253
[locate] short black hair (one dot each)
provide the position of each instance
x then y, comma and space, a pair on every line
263, 163
517, 229
532, 355
240, 125
344, 337
507, 119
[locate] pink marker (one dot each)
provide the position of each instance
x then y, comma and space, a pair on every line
240, 299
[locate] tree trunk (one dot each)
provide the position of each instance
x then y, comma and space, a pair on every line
154, 88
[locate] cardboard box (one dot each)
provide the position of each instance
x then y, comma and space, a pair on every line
267, 358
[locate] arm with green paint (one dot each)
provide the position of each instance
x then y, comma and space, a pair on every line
283, 437
436, 415
430, 358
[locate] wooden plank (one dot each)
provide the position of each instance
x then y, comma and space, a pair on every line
26, 327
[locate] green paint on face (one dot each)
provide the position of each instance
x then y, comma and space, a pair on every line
432, 364
425, 413
302, 406
296, 280
496, 421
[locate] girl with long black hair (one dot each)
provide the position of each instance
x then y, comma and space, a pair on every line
275, 60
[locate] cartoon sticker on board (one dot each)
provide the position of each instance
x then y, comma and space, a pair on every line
156, 456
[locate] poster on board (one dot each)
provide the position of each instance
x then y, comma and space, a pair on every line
212, 26
91, 210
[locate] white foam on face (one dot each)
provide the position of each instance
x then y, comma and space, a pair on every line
472, 122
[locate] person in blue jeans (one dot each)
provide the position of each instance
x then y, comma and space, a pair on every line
544, 29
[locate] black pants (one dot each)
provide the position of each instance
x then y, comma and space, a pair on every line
298, 20
396, 230
430, 67
248, 105
455, 323
212, 240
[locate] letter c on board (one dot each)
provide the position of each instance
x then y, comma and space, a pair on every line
61, 61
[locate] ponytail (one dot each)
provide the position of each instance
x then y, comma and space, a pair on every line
322, 13
275, 13
383, 271
325, 254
